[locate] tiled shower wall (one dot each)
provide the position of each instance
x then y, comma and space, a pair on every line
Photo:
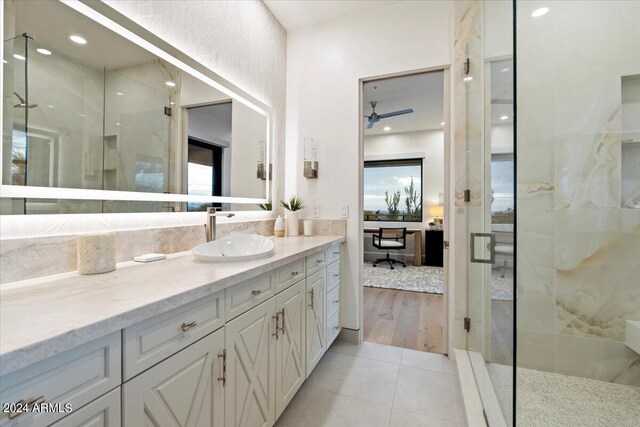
578, 249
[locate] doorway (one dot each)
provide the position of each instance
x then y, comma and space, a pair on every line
404, 135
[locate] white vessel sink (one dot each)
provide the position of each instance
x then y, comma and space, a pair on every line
243, 247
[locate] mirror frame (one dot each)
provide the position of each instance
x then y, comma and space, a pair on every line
105, 15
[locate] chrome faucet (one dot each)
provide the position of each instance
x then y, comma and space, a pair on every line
210, 225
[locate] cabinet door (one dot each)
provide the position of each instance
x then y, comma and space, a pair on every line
250, 392
316, 318
102, 412
184, 390
290, 345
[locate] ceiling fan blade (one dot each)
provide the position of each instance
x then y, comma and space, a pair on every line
396, 113
371, 123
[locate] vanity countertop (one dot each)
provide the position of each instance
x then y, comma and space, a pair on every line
46, 316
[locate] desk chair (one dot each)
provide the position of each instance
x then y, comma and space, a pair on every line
387, 239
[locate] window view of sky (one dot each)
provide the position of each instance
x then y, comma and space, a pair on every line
502, 185
199, 179
378, 180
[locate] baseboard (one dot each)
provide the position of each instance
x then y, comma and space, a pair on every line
351, 336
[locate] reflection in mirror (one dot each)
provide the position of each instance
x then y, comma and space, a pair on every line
85, 108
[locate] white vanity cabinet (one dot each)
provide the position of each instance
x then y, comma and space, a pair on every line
236, 357
316, 318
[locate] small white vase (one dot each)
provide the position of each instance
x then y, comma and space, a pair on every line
292, 223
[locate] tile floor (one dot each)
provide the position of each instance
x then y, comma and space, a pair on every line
377, 385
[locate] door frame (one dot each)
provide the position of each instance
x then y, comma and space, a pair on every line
447, 301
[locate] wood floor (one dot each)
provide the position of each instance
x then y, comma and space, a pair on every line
403, 319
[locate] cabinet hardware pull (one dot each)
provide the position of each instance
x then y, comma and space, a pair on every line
311, 305
186, 326
335, 301
277, 317
336, 327
282, 328
319, 261
223, 378
24, 406
256, 292
336, 274
294, 273
336, 253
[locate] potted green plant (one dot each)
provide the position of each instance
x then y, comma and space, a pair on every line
292, 207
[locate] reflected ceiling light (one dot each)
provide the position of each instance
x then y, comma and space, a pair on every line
78, 39
50, 106
386, 128
5, 61
172, 103
468, 78
504, 117
539, 12
119, 93
43, 51
505, 69
20, 57
81, 115
117, 124
441, 123
170, 84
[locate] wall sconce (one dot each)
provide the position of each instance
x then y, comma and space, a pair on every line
262, 162
310, 158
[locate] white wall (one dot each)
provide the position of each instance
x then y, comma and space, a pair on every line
324, 65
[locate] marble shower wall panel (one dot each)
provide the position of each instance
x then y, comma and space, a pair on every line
577, 249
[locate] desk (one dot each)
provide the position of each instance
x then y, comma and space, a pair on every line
417, 242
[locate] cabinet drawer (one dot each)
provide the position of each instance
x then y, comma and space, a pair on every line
333, 301
155, 339
77, 376
333, 328
333, 275
289, 274
332, 254
242, 297
102, 412
315, 262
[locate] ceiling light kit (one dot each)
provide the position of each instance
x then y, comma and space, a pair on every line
78, 39
540, 12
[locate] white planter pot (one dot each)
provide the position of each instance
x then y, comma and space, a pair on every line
292, 223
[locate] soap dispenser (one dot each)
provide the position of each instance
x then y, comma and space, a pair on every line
278, 229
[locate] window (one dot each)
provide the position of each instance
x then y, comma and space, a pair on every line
393, 190
204, 172
502, 188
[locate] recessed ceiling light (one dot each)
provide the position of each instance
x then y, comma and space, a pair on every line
19, 57
539, 12
468, 78
5, 61
170, 84
117, 124
505, 69
81, 115
119, 93
387, 128
50, 106
441, 123
172, 103
78, 39
504, 117
43, 51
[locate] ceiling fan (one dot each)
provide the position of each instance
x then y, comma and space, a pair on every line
375, 117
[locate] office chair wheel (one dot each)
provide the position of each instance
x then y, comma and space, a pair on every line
374, 265
404, 265
392, 267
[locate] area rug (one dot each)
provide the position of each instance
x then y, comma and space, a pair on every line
426, 279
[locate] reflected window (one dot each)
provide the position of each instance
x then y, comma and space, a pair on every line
502, 203
204, 172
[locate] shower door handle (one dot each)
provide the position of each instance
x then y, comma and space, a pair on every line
491, 246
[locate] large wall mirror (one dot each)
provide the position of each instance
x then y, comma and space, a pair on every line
105, 125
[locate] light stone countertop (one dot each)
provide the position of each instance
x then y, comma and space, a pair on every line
42, 317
